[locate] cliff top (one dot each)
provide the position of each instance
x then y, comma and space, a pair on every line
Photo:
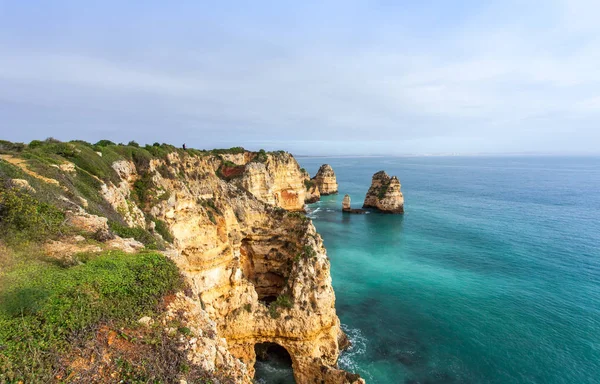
63, 269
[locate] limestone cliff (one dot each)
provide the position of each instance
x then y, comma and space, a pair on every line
384, 194
276, 180
325, 180
257, 270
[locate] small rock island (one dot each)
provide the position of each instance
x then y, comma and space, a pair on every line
325, 180
384, 194
346, 207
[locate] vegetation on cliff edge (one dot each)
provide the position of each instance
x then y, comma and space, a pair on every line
48, 311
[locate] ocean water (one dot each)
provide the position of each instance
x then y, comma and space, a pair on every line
491, 276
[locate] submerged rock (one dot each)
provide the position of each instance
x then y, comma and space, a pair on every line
384, 194
325, 180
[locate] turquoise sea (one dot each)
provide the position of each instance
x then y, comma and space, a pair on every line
491, 276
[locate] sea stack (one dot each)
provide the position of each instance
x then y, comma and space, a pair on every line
384, 194
325, 180
346, 204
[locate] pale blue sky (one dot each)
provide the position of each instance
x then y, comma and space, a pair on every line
311, 77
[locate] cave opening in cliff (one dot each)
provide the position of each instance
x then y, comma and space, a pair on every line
273, 364
266, 266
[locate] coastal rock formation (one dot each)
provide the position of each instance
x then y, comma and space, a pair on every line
384, 194
256, 269
346, 203
346, 207
325, 180
277, 180
259, 272
231, 221
312, 190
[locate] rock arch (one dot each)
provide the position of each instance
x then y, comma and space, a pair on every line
278, 358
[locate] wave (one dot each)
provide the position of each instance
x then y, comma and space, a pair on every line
349, 358
311, 214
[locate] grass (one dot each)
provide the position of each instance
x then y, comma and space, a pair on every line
46, 309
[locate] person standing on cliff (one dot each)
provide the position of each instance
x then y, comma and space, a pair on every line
184, 146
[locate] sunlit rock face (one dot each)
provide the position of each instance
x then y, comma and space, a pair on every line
258, 270
277, 181
325, 180
385, 194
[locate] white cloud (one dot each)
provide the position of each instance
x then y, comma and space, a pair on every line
486, 79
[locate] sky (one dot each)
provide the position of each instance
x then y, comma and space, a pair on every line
343, 77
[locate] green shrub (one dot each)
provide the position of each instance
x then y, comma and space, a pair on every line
261, 156
308, 184
7, 146
163, 229
142, 189
138, 233
283, 301
24, 218
308, 252
231, 151
46, 309
34, 144
383, 191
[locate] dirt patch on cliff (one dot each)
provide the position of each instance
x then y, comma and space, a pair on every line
22, 164
229, 170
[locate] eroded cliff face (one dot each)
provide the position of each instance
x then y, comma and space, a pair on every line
325, 180
277, 181
312, 190
385, 194
257, 269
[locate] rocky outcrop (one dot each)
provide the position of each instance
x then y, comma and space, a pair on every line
312, 190
347, 207
277, 181
325, 180
256, 268
119, 196
346, 203
258, 273
384, 194
21, 184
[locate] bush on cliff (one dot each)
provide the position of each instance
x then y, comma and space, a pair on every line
282, 301
48, 311
24, 218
